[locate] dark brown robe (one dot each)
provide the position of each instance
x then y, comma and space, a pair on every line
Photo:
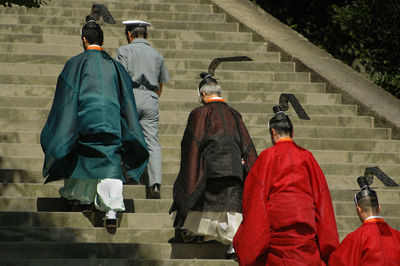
211, 174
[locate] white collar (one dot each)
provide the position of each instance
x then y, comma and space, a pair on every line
216, 98
94, 45
372, 217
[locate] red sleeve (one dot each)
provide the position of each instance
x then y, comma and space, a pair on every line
252, 238
345, 255
327, 234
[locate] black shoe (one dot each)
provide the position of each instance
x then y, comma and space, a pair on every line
155, 192
111, 223
86, 208
231, 256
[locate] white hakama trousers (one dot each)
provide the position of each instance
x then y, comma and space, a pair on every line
105, 193
219, 226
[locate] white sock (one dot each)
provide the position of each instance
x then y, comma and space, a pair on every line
230, 250
111, 214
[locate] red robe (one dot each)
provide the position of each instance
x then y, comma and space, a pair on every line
374, 243
288, 217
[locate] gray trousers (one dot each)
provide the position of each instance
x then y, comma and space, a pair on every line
147, 105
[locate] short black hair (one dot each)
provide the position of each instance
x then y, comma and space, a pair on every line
281, 123
136, 31
92, 32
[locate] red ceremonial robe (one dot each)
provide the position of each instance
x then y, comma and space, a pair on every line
374, 243
288, 217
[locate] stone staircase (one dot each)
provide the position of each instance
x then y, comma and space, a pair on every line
35, 229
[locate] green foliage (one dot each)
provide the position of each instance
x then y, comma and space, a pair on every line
362, 33
390, 82
372, 28
26, 3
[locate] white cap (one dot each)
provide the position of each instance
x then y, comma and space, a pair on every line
138, 23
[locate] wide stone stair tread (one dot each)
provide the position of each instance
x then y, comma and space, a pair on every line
79, 8
336, 182
138, 205
173, 153
169, 62
171, 137
33, 186
111, 30
142, 222
188, 95
16, 125
266, 108
276, 82
186, 35
85, 234
28, 49
21, 41
69, 18
112, 250
77, 219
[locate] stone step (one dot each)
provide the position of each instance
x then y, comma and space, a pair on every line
31, 113
307, 137
122, 235
343, 198
85, 235
126, 2
168, 32
166, 6
23, 41
266, 108
115, 30
187, 95
15, 250
34, 150
180, 79
356, 157
262, 119
139, 221
300, 131
351, 223
75, 17
70, 50
171, 134
26, 90
141, 205
117, 262
60, 205
347, 144
18, 175
179, 117
14, 179
79, 220
171, 63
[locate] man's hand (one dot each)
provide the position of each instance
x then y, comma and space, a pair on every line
160, 90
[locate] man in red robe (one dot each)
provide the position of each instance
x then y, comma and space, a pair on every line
374, 243
288, 217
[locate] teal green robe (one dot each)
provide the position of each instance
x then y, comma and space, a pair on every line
93, 126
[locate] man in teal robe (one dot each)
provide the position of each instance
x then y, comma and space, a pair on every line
93, 132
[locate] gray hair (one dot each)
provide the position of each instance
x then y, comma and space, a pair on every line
211, 88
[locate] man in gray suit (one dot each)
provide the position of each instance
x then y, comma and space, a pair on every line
147, 69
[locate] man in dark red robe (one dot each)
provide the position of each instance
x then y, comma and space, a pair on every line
374, 243
288, 217
216, 154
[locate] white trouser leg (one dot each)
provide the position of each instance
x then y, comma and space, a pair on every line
109, 195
